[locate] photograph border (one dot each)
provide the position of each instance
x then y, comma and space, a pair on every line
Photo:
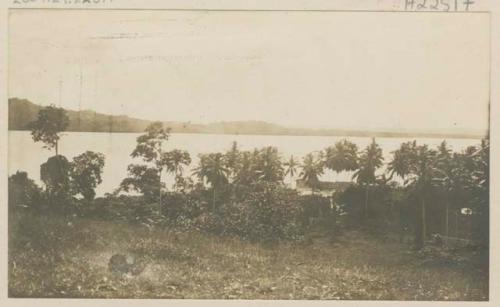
490, 7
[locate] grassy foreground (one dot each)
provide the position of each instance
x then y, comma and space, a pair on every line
53, 257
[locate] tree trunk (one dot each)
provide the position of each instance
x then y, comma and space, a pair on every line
213, 201
424, 222
159, 181
447, 218
57, 148
366, 202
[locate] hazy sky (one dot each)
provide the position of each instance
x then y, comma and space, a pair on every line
306, 69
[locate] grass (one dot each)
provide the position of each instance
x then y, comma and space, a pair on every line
51, 257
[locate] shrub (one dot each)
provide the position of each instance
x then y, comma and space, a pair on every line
55, 173
273, 213
86, 170
23, 192
381, 203
317, 210
183, 205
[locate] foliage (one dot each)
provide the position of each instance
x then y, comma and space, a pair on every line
268, 166
317, 211
149, 145
86, 170
343, 156
370, 160
146, 179
270, 214
400, 163
212, 169
245, 173
49, 123
175, 161
56, 175
142, 179
381, 198
232, 160
291, 166
23, 192
184, 206
312, 169
479, 187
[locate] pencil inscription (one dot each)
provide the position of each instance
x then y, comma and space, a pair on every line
439, 5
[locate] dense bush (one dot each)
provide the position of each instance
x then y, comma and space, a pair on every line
23, 192
272, 212
317, 211
55, 174
244, 192
177, 205
353, 200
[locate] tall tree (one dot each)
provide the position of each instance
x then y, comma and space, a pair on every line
423, 171
175, 161
143, 179
370, 160
446, 176
51, 121
150, 148
480, 187
291, 167
343, 156
232, 160
245, 173
269, 167
86, 170
212, 169
400, 164
55, 174
312, 169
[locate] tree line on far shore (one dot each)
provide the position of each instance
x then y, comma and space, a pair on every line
240, 192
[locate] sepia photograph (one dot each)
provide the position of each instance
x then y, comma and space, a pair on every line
248, 155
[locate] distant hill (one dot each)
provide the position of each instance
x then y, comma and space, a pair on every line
23, 111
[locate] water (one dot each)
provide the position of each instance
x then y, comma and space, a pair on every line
26, 155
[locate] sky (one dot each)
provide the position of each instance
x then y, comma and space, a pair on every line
360, 70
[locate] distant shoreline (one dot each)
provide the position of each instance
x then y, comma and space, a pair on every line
374, 135
23, 111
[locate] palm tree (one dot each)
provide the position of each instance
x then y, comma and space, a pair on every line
481, 187
268, 166
343, 156
245, 173
175, 161
369, 161
291, 167
446, 177
232, 159
424, 171
312, 169
400, 164
149, 148
419, 166
212, 169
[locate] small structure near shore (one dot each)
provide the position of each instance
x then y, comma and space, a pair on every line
325, 188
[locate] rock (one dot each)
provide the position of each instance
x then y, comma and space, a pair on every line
118, 264
121, 264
